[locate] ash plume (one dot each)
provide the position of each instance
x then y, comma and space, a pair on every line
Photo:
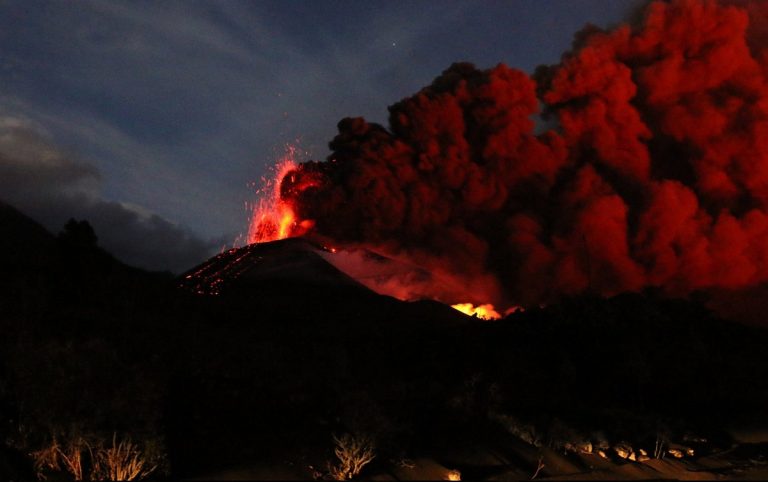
654, 173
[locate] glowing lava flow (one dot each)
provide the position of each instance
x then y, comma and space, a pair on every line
484, 312
273, 218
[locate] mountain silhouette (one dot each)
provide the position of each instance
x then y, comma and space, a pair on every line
293, 260
22, 240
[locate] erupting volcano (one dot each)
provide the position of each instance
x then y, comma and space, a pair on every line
646, 167
559, 274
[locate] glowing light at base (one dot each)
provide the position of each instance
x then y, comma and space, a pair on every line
484, 312
273, 218
453, 475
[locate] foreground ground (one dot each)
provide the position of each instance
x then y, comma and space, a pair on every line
246, 368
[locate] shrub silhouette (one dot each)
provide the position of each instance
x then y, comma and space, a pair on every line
354, 452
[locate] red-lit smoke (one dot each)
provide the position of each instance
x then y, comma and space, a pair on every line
655, 171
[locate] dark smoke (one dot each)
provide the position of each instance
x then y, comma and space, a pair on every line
655, 174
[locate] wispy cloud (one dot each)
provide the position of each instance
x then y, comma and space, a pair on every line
53, 185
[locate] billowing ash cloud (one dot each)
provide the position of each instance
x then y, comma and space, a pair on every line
656, 174
52, 185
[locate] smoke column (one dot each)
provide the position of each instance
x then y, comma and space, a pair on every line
654, 172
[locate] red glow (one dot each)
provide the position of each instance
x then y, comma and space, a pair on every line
274, 218
484, 312
655, 175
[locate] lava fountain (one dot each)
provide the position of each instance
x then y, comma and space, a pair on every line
273, 217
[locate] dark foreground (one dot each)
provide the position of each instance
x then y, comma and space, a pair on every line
254, 376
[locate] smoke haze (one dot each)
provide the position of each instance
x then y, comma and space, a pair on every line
655, 173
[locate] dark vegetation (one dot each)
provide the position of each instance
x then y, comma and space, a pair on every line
270, 368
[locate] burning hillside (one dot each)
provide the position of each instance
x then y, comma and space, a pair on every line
653, 173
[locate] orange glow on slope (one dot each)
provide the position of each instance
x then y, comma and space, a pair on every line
484, 312
272, 217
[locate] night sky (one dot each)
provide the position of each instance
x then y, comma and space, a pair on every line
153, 119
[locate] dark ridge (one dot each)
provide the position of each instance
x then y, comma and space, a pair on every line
293, 260
22, 240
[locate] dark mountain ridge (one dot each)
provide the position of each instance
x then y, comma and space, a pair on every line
23, 241
295, 260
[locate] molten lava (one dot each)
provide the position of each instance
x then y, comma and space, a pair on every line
484, 312
273, 217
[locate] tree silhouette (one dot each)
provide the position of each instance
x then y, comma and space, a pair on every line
79, 234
